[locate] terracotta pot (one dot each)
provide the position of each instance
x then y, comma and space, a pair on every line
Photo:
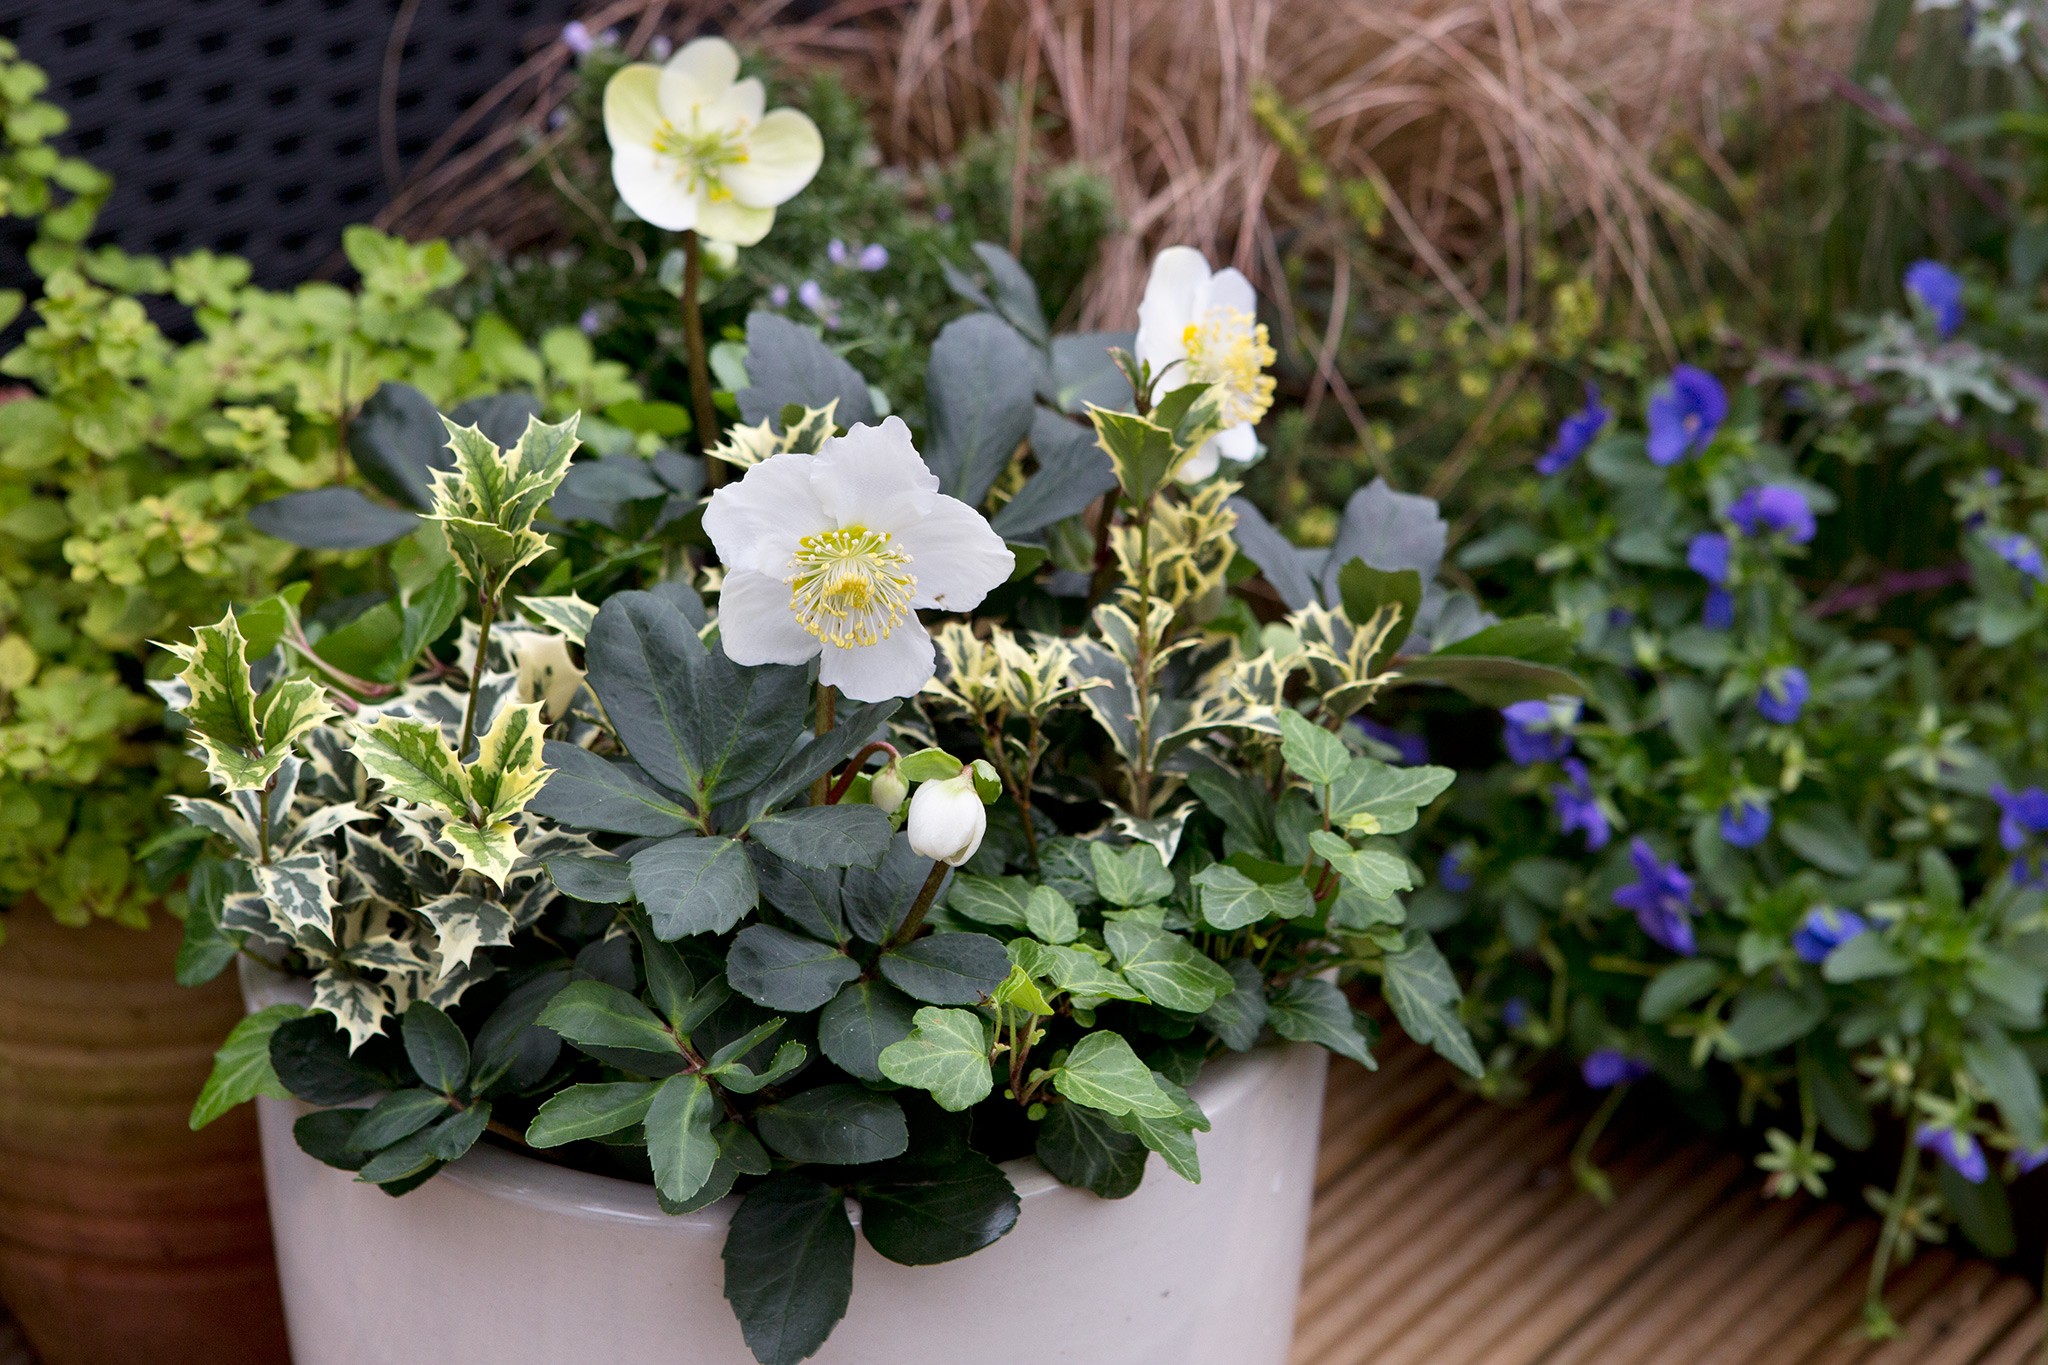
124, 1236
512, 1260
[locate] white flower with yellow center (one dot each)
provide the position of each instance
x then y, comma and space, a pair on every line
691, 147
1196, 326
833, 555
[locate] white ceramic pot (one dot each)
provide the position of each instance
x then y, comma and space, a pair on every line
502, 1259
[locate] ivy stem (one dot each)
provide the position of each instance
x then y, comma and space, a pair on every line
700, 365
486, 611
827, 707
1874, 1310
926, 894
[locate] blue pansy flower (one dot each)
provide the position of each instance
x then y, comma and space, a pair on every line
2021, 815
2020, 552
1940, 291
1538, 731
1412, 748
1608, 1067
1685, 413
1825, 929
1773, 507
1708, 554
1960, 1150
1744, 823
1719, 611
1577, 807
1783, 695
1574, 434
1451, 873
1515, 1013
2030, 1159
1661, 896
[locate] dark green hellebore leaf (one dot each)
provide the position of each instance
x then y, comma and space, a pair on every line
786, 971
838, 1125
929, 1213
947, 969
789, 1266
1085, 1148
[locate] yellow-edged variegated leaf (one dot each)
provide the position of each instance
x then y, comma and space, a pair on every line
359, 1005
221, 706
570, 616
508, 771
486, 504
290, 709
415, 762
491, 849
464, 924
299, 892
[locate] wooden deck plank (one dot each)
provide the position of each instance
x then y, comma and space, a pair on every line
1447, 1231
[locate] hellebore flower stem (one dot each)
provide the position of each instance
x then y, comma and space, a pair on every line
1020, 790
828, 705
845, 780
926, 894
702, 407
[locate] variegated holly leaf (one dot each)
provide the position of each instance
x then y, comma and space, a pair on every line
465, 924
486, 504
508, 771
416, 763
243, 737
299, 891
358, 1004
568, 616
490, 849
222, 819
323, 822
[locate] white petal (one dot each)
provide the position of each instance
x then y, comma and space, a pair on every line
783, 153
631, 111
1239, 443
695, 78
649, 185
897, 667
756, 625
1230, 289
957, 557
756, 523
874, 477
728, 220
1171, 293
1199, 465
738, 107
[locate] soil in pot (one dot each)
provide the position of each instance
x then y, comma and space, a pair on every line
124, 1236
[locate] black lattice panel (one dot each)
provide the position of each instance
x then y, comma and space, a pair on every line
252, 126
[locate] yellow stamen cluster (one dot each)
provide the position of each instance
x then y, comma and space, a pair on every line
849, 586
1228, 348
700, 154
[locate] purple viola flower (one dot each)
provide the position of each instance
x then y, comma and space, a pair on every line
778, 296
1774, 507
1719, 611
1413, 749
2020, 814
1661, 896
811, 295
576, 37
1744, 823
2030, 1159
2020, 552
1708, 555
943, 212
659, 47
1685, 413
589, 322
1452, 874
835, 251
1940, 291
1960, 1150
1536, 732
1577, 807
1608, 1067
1783, 695
1825, 929
873, 257
1515, 1013
1574, 434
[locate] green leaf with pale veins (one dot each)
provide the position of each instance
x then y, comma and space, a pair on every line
241, 1068
1425, 996
1231, 900
946, 1054
1310, 751
1374, 872
1166, 967
1315, 1011
1130, 876
1371, 797
1103, 1073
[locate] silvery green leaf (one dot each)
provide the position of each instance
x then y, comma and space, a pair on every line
1231, 900
1166, 967
1425, 996
694, 885
1103, 1073
1390, 531
982, 388
1131, 876
588, 792
1313, 1010
787, 364
1387, 798
1310, 751
946, 1054
1048, 915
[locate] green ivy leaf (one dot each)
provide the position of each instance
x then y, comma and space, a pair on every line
1425, 997
1166, 967
1130, 876
241, 1068
1376, 873
1311, 752
1103, 1073
1231, 900
1312, 1010
947, 1054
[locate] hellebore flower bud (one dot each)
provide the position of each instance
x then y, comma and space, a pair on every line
947, 820
888, 789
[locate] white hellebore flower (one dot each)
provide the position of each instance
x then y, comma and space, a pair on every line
947, 819
1199, 327
834, 553
691, 147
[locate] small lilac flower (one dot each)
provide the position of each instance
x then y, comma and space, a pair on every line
1708, 555
944, 213
1413, 749
1661, 896
1451, 873
1940, 291
873, 257
1783, 695
589, 321
1958, 1149
1536, 732
2020, 813
2030, 1160
1685, 413
1574, 434
2020, 552
778, 296
1577, 807
835, 251
576, 37
811, 295
1744, 823
658, 47
1515, 1013
1719, 612
558, 119
1608, 1067
1774, 507
1825, 929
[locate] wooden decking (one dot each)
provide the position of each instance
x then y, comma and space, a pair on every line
1448, 1231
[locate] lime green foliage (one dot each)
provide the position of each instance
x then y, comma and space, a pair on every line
126, 472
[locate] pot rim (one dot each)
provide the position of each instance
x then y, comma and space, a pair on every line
500, 1173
